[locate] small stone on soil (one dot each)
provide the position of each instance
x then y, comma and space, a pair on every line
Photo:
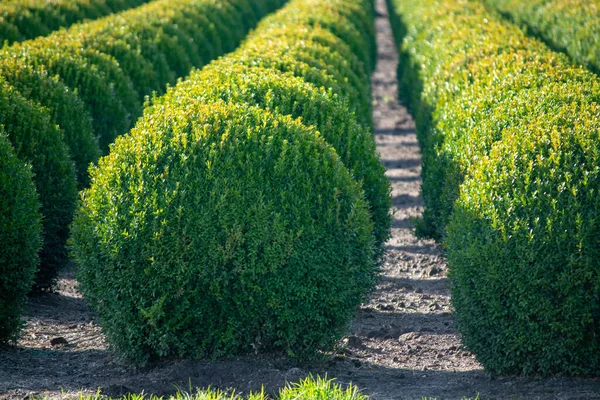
408, 336
355, 341
58, 341
294, 375
435, 271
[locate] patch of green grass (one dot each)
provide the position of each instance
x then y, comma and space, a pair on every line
310, 388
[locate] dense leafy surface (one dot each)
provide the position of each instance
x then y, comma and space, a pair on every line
38, 142
323, 44
220, 228
510, 138
572, 26
214, 230
90, 80
27, 19
114, 62
65, 106
20, 235
290, 95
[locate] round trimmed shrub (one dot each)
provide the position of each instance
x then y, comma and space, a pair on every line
216, 229
9, 31
509, 133
321, 46
351, 22
497, 92
158, 42
303, 59
524, 253
37, 141
100, 83
289, 95
20, 238
66, 108
133, 47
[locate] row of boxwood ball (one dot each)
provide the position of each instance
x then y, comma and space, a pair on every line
92, 79
232, 218
510, 133
572, 26
21, 20
60, 94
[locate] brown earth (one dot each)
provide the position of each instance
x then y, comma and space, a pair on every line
403, 343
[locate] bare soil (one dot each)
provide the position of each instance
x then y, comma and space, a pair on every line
403, 343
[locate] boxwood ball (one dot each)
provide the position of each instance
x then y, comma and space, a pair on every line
216, 229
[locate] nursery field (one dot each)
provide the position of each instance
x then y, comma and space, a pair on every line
302, 199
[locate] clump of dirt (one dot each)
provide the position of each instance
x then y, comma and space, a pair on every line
403, 343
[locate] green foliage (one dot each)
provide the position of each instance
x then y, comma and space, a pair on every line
322, 50
525, 252
93, 77
353, 23
115, 62
161, 41
40, 143
216, 229
289, 95
27, 19
441, 48
20, 238
66, 108
100, 83
510, 133
319, 388
310, 388
306, 44
572, 26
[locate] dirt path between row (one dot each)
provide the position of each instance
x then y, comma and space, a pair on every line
402, 345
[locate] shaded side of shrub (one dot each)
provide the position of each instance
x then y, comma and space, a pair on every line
40, 143
509, 131
20, 238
